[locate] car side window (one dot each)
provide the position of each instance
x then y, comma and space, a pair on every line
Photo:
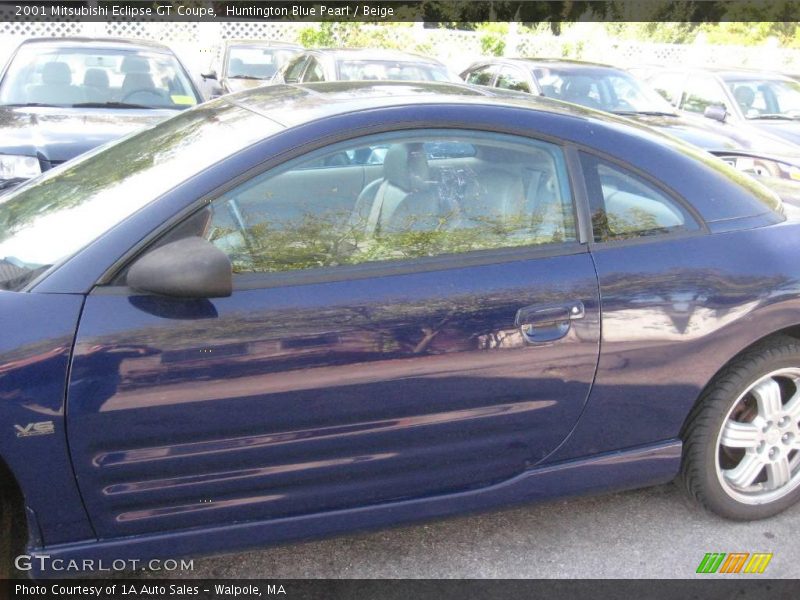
313, 72
482, 75
702, 92
625, 205
295, 69
484, 191
511, 78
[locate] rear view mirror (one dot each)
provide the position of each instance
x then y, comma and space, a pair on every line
188, 268
716, 112
209, 75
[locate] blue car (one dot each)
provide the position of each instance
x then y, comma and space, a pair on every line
302, 310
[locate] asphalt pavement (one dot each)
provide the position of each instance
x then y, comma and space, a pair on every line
651, 533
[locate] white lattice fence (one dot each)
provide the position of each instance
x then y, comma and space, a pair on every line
198, 43
632, 53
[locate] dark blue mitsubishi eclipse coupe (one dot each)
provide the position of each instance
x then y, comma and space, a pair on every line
301, 310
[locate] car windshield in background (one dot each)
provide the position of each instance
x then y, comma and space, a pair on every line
766, 99
76, 76
254, 62
602, 90
386, 70
55, 215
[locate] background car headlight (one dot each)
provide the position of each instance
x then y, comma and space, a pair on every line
15, 166
790, 171
764, 167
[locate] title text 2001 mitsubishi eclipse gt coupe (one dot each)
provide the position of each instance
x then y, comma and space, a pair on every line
301, 310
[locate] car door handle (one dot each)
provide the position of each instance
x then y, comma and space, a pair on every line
546, 323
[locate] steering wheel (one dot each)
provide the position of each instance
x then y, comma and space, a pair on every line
147, 91
624, 105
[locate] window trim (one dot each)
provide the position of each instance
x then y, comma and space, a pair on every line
312, 59
702, 228
304, 58
372, 269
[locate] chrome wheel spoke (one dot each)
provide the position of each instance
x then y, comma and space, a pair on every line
745, 473
740, 435
778, 473
768, 397
792, 408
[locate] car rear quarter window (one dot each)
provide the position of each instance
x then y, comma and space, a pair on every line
294, 69
314, 72
431, 193
511, 78
482, 75
624, 205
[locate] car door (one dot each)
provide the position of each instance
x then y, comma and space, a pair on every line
436, 332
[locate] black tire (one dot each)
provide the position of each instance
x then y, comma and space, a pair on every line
702, 430
12, 532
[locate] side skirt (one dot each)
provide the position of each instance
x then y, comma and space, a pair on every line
614, 471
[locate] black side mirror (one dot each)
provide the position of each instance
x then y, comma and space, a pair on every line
716, 112
187, 268
209, 75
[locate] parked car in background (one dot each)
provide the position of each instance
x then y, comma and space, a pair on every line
336, 64
60, 97
244, 64
613, 90
315, 308
750, 102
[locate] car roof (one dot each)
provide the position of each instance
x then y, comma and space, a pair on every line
99, 42
295, 104
375, 54
729, 73
547, 62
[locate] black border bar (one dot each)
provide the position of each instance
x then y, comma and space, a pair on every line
711, 588
429, 11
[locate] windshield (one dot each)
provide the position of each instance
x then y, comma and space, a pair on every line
53, 216
764, 99
67, 76
387, 70
608, 90
254, 62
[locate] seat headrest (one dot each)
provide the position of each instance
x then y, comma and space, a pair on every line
406, 167
236, 66
135, 64
137, 81
56, 73
97, 78
578, 87
745, 96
